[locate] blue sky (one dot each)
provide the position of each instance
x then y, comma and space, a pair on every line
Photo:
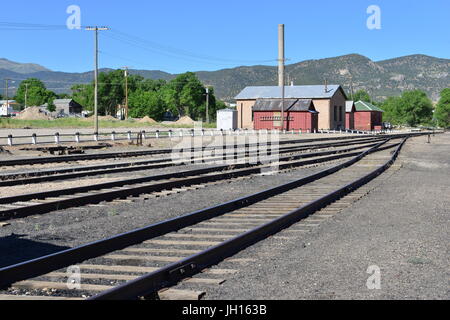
177, 36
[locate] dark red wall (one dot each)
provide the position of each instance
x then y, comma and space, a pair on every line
350, 120
297, 120
368, 120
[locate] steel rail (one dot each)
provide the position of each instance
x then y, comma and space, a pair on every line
46, 264
175, 272
152, 161
43, 160
120, 183
97, 197
12, 180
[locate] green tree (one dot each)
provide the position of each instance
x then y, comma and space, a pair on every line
442, 113
415, 108
184, 95
411, 108
51, 106
37, 94
214, 105
146, 103
63, 96
362, 95
111, 91
392, 112
152, 85
84, 95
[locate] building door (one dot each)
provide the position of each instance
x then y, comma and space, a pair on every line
277, 120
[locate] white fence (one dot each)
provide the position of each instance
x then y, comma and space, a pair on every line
131, 136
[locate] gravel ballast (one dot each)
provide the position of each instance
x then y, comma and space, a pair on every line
35, 236
402, 227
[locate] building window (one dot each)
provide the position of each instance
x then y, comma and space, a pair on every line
335, 113
340, 113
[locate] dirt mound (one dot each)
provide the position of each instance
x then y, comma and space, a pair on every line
107, 118
147, 119
33, 113
185, 121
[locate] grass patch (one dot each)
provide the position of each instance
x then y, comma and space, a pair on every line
8, 123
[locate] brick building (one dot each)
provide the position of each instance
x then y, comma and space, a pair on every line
299, 114
368, 117
350, 110
328, 100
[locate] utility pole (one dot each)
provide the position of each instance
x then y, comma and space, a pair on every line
126, 92
207, 105
351, 86
281, 60
26, 95
6, 92
96, 30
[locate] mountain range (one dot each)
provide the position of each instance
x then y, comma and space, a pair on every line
381, 79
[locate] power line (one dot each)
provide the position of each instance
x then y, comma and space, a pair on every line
172, 51
30, 26
127, 59
184, 52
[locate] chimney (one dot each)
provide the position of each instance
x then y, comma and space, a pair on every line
326, 86
281, 55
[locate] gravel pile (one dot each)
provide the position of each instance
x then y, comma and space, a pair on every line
33, 113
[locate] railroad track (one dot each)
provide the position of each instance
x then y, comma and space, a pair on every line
32, 177
20, 206
134, 154
147, 261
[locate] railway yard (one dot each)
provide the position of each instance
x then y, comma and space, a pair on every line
131, 222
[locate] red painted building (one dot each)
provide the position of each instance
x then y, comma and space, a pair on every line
350, 110
368, 117
299, 114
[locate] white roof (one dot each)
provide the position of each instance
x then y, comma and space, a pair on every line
291, 92
349, 106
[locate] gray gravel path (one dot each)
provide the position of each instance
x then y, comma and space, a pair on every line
402, 227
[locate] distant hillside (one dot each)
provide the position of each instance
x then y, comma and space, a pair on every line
23, 68
381, 79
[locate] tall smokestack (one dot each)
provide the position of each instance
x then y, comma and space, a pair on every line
281, 55
281, 69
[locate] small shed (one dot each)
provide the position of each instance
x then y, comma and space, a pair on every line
6, 107
68, 107
350, 110
227, 119
368, 117
299, 114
